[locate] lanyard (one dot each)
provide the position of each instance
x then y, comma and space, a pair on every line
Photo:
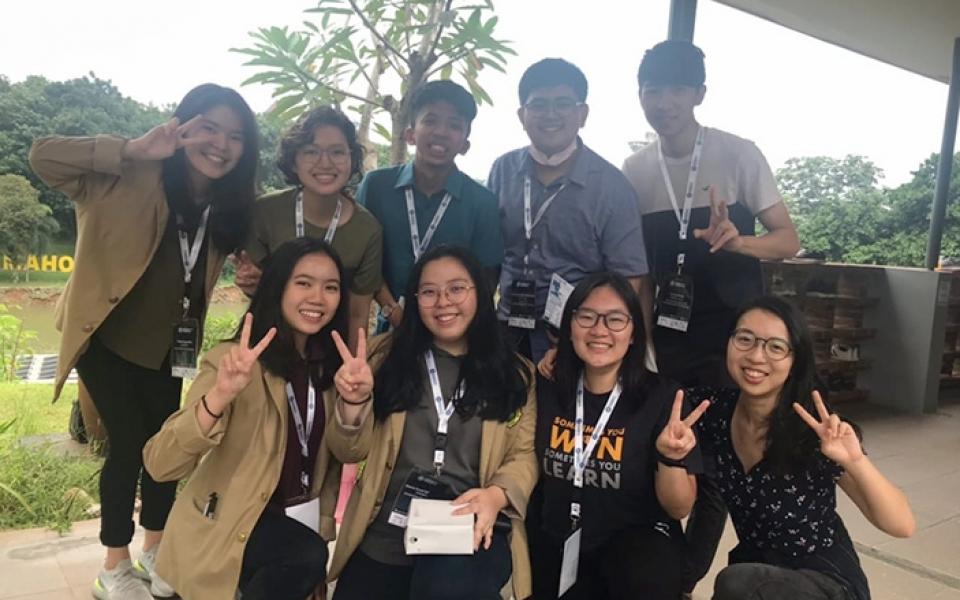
529, 221
303, 433
331, 228
682, 217
444, 410
190, 253
582, 455
420, 245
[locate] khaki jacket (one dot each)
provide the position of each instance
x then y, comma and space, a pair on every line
121, 217
240, 459
507, 460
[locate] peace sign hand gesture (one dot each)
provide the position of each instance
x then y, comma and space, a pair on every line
354, 379
234, 371
163, 140
676, 440
838, 440
720, 233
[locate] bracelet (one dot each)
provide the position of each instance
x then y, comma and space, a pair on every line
671, 462
203, 401
361, 403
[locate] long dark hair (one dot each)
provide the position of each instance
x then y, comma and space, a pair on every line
231, 196
791, 446
633, 373
281, 354
496, 378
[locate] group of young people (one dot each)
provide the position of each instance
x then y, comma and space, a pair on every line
666, 383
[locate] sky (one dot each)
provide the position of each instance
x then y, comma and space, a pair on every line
791, 94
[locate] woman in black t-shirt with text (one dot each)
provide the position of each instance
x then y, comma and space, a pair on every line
634, 480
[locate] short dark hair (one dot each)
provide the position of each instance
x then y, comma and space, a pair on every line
633, 372
673, 62
496, 378
301, 134
231, 196
447, 91
551, 72
266, 308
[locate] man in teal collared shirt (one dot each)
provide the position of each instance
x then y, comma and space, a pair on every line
440, 117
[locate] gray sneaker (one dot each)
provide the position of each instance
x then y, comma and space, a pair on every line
145, 568
120, 583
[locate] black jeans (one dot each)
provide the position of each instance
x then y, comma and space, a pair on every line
133, 402
704, 530
639, 562
283, 560
478, 576
757, 581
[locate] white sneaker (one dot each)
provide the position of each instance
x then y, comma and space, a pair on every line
120, 583
145, 568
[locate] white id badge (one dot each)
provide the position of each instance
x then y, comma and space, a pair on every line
557, 296
307, 513
570, 563
185, 349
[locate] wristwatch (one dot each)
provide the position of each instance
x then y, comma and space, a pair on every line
387, 310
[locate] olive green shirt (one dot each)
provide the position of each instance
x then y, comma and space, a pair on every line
140, 328
358, 242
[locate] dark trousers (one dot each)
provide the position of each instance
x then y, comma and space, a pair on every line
639, 562
704, 530
133, 403
478, 576
531, 343
283, 560
757, 581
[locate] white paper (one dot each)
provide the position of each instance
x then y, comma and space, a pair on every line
307, 513
557, 296
432, 528
570, 562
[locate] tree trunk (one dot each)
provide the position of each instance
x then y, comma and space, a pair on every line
370, 161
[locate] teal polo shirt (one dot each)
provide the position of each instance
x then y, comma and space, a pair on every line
472, 219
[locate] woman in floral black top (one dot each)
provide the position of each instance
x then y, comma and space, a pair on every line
779, 453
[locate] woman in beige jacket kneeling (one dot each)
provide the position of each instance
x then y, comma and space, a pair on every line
258, 508
453, 420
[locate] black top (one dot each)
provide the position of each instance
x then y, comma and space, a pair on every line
618, 490
782, 519
290, 489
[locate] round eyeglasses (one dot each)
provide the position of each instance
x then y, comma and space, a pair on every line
775, 348
455, 293
614, 321
311, 155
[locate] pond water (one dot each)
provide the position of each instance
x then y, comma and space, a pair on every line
39, 317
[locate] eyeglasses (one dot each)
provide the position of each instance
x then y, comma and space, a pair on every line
614, 321
455, 293
561, 106
775, 348
311, 155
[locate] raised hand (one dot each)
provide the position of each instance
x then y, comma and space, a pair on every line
486, 503
234, 371
548, 364
354, 379
720, 233
247, 276
676, 440
163, 140
838, 440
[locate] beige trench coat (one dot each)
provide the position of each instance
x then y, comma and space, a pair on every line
240, 459
507, 460
121, 218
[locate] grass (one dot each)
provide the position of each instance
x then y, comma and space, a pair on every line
39, 487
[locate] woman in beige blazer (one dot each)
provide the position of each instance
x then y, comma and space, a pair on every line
156, 216
453, 414
251, 434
